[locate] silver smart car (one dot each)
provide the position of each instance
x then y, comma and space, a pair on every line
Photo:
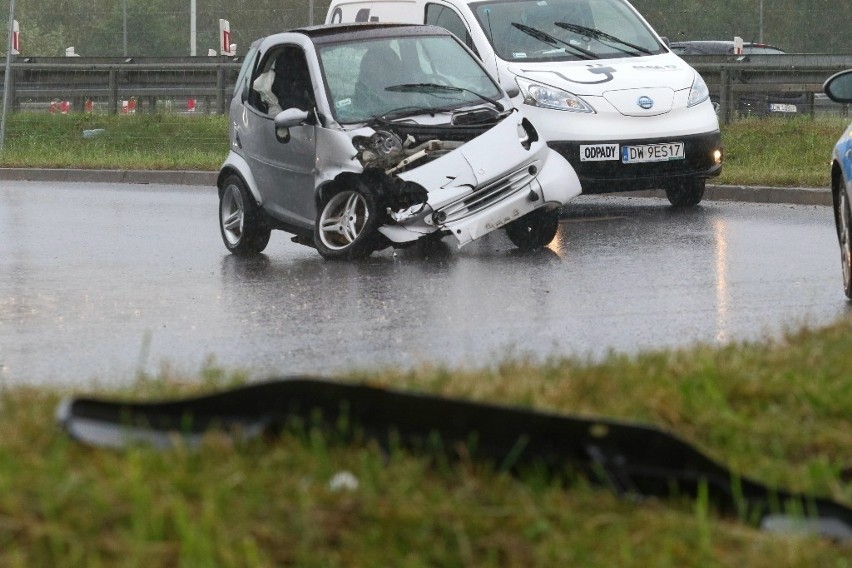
358, 137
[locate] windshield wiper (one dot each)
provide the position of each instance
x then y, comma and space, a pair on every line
550, 40
439, 88
603, 37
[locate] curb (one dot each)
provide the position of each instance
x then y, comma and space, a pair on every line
753, 194
170, 177
746, 194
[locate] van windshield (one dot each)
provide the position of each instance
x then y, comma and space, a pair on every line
402, 76
559, 30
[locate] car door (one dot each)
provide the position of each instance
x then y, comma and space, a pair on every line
282, 162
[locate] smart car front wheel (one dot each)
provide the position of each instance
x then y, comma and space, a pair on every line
240, 220
534, 230
346, 224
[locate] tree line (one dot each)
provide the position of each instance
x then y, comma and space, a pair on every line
162, 27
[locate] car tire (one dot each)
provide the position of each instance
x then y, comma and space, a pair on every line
346, 224
534, 230
241, 223
687, 193
843, 216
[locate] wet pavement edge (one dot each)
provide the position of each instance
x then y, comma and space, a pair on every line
714, 192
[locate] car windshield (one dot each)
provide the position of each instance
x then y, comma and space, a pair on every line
548, 30
402, 76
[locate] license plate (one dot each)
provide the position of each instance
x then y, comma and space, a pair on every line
641, 153
779, 107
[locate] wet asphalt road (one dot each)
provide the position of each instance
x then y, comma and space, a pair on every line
99, 282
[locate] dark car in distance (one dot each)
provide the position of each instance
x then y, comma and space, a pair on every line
751, 104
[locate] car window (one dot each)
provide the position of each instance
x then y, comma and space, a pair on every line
282, 81
447, 18
372, 78
245, 68
762, 50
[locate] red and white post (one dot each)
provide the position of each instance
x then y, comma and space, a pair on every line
16, 38
225, 45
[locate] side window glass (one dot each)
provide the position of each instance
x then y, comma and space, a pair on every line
282, 81
245, 69
448, 19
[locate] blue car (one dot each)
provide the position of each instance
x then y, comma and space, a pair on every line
839, 89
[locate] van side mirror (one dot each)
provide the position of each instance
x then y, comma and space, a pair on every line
510, 87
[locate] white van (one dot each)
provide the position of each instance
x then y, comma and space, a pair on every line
593, 76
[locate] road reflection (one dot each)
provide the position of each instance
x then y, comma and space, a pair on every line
722, 294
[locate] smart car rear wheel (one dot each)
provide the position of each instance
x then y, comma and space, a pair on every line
240, 220
346, 224
844, 226
686, 193
534, 230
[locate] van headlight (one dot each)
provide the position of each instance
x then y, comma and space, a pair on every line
699, 92
545, 96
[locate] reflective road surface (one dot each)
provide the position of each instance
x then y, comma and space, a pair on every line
101, 282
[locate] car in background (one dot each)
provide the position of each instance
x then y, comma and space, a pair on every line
712, 47
358, 137
750, 104
839, 89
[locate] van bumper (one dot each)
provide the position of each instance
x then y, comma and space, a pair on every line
613, 175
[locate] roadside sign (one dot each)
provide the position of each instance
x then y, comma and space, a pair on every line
225, 45
16, 38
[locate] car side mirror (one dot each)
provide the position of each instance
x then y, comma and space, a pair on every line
286, 119
291, 117
838, 87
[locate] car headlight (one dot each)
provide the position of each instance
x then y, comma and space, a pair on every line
699, 92
540, 95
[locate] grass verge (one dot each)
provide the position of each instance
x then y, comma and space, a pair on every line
768, 151
778, 412
782, 152
142, 142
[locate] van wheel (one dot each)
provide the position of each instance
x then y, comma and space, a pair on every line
346, 225
534, 230
686, 193
241, 222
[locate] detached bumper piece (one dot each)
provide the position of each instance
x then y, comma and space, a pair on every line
632, 459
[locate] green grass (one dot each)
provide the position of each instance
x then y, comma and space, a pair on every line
778, 412
783, 152
778, 152
156, 142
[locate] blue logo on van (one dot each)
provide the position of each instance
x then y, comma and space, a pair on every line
645, 102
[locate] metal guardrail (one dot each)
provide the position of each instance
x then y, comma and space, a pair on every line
105, 81
730, 77
36, 81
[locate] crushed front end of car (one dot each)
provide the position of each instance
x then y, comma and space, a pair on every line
459, 180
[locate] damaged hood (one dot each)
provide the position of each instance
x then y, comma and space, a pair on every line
475, 163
